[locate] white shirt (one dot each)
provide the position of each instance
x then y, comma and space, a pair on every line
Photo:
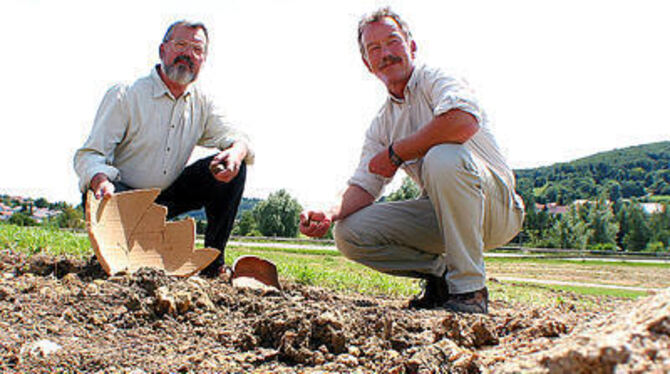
429, 93
144, 137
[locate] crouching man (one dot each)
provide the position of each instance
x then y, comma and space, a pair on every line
144, 134
432, 127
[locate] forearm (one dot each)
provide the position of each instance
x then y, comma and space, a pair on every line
354, 199
88, 163
454, 126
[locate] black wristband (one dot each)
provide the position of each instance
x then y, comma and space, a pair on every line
395, 159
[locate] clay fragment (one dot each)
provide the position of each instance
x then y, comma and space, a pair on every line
256, 273
128, 231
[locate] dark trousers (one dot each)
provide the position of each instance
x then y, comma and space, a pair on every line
196, 188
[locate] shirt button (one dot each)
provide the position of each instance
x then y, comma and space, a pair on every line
164, 172
168, 149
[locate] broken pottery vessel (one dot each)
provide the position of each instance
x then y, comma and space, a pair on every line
128, 231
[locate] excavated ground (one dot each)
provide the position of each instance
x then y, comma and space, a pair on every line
65, 315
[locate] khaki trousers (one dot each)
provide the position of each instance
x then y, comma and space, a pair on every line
467, 209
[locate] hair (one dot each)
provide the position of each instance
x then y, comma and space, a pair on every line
377, 16
189, 24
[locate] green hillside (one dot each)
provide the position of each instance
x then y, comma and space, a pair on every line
639, 171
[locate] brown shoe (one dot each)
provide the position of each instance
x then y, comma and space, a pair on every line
433, 294
469, 302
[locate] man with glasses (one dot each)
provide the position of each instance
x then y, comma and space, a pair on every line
432, 126
144, 134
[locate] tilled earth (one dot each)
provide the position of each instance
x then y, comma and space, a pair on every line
65, 315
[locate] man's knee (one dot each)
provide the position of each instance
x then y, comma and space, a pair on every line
345, 235
444, 158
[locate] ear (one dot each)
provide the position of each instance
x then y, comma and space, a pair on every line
412, 47
367, 64
161, 50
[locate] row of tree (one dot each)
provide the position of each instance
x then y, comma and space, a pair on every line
600, 224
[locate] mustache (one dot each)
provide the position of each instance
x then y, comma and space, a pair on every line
389, 60
184, 58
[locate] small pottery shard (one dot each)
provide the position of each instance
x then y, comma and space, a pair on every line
128, 231
255, 272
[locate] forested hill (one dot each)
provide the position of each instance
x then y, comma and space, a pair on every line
638, 171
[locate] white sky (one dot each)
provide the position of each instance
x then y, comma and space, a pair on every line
560, 80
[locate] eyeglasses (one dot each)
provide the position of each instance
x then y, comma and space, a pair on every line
182, 45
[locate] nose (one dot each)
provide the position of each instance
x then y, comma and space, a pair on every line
386, 51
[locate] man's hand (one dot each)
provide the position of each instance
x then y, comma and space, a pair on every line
226, 164
101, 186
314, 224
381, 164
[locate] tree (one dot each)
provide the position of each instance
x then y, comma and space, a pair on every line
41, 203
536, 226
638, 234
407, 191
246, 225
70, 218
602, 223
21, 219
279, 215
569, 231
660, 226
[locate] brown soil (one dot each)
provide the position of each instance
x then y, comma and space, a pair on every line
64, 315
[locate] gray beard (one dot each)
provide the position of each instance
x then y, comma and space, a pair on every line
179, 74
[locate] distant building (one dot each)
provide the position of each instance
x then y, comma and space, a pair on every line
652, 208
5, 212
552, 208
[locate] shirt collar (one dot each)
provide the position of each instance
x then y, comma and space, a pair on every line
160, 88
409, 88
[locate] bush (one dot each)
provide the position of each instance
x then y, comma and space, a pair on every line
279, 215
655, 247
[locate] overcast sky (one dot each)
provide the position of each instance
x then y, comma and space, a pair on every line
560, 80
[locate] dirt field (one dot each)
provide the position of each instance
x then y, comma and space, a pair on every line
59, 315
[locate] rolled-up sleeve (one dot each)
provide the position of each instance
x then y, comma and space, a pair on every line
220, 133
109, 128
448, 92
370, 182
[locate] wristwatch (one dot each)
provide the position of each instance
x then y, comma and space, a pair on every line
395, 159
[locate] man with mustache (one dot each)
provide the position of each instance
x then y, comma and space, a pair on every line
144, 134
432, 126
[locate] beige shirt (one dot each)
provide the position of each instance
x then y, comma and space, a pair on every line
429, 93
144, 137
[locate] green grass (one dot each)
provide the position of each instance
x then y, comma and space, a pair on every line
325, 268
660, 198
32, 240
553, 261
307, 241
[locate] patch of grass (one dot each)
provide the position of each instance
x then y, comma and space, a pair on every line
32, 240
588, 298
555, 261
252, 239
299, 251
